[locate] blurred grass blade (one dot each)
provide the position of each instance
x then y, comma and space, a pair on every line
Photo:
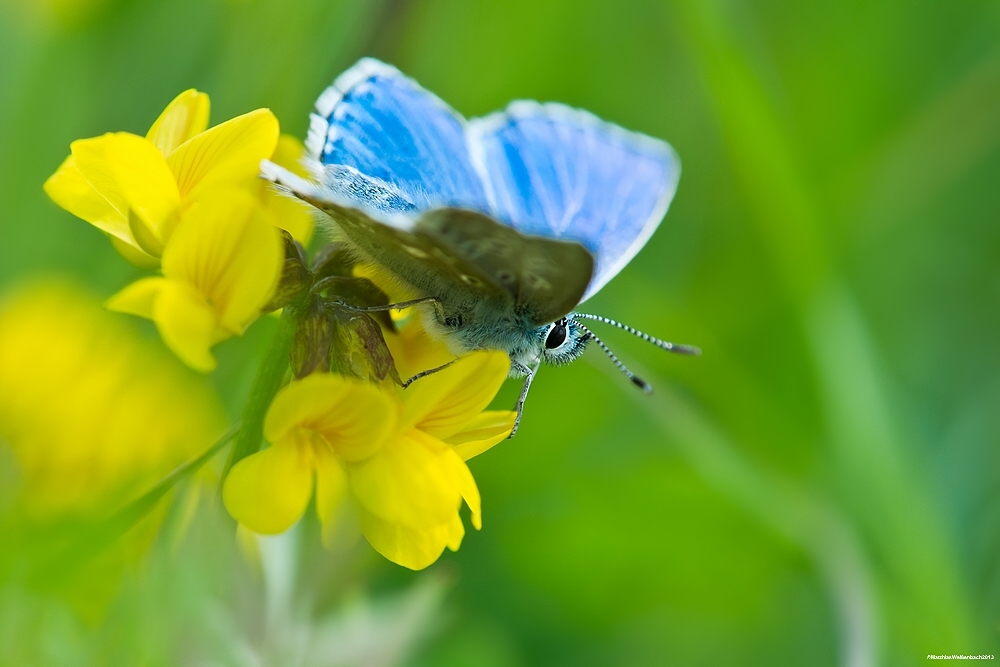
761, 151
806, 519
881, 481
882, 489
944, 140
132, 513
59, 562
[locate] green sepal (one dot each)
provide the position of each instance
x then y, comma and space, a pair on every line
333, 259
296, 278
313, 337
359, 292
359, 349
143, 236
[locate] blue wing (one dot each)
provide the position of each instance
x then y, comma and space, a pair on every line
375, 122
391, 147
562, 173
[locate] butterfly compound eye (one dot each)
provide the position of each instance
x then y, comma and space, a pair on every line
557, 335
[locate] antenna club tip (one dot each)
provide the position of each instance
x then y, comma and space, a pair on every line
689, 350
642, 384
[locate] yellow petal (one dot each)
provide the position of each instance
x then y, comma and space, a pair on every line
289, 213
455, 533
138, 298
289, 154
467, 487
129, 170
353, 417
70, 190
487, 429
89, 157
413, 349
228, 253
268, 491
410, 481
331, 488
442, 404
227, 154
415, 548
187, 324
184, 117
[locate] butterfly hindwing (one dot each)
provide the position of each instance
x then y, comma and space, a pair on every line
563, 173
416, 257
545, 277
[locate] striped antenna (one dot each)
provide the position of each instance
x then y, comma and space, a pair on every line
636, 380
662, 344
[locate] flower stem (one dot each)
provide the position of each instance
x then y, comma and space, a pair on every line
270, 375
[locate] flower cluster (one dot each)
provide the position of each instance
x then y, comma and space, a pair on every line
187, 200
395, 458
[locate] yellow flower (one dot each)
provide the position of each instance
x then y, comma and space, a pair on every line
93, 414
412, 347
219, 270
289, 213
413, 350
400, 459
137, 189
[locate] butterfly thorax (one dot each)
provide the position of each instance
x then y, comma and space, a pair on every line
556, 343
467, 327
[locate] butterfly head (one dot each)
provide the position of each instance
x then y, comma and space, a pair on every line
565, 340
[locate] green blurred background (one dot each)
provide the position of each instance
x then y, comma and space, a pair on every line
820, 488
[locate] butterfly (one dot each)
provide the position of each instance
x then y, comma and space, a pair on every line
504, 224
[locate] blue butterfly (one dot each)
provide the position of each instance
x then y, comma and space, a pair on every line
504, 224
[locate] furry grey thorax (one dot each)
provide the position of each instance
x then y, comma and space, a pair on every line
524, 344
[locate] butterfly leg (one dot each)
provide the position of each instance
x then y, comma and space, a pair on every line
429, 371
529, 376
390, 306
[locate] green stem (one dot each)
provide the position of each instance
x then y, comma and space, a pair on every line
270, 375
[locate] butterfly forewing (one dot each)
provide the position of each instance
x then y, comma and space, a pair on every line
545, 277
383, 124
509, 221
